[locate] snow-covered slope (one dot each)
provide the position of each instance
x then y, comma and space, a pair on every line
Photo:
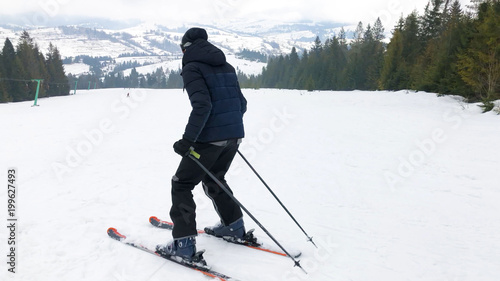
391, 185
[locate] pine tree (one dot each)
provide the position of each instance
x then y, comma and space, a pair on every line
315, 65
134, 78
358, 33
454, 39
342, 37
394, 74
175, 80
4, 95
162, 79
13, 70
302, 71
431, 29
336, 60
373, 55
281, 75
58, 81
33, 63
437, 64
354, 72
310, 85
365, 58
412, 47
293, 65
142, 82
378, 30
479, 65
368, 35
412, 43
431, 21
317, 48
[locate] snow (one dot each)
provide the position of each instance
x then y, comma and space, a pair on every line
76, 68
391, 185
167, 66
246, 66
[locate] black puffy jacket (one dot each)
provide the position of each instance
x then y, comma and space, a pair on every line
215, 95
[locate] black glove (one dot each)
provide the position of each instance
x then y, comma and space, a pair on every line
182, 147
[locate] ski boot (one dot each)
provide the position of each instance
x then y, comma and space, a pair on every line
183, 249
234, 233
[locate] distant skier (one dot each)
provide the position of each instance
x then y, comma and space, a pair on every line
214, 130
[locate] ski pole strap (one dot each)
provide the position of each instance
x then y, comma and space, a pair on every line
194, 153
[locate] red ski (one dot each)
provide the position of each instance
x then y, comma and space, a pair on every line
248, 243
202, 268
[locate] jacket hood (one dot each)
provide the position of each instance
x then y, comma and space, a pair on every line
194, 33
204, 52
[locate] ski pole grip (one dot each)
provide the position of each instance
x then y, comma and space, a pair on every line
194, 153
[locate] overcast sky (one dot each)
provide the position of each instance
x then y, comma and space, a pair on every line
41, 12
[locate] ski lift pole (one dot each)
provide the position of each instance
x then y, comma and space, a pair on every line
309, 238
37, 89
195, 156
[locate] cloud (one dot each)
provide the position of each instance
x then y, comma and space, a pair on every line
212, 12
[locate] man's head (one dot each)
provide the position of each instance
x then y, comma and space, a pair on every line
191, 35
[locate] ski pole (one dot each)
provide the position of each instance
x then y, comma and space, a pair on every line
195, 156
276, 197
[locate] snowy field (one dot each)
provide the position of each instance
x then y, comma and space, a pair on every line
391, 185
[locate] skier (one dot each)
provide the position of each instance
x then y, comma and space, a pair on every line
214, 130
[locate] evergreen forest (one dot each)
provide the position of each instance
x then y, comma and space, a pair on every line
20, 64
446, 50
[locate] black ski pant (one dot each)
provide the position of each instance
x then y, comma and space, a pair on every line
217, 159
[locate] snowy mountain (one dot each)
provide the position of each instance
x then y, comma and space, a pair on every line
156, 46
391, 185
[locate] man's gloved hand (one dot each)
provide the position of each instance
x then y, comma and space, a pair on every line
182, 147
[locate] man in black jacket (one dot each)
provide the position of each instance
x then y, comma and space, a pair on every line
214, 130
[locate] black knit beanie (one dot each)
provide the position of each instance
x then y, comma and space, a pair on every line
192, 34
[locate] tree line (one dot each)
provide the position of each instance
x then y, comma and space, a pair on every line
446, 50
157, 79
20, 64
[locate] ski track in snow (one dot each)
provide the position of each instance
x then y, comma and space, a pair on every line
391, 185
